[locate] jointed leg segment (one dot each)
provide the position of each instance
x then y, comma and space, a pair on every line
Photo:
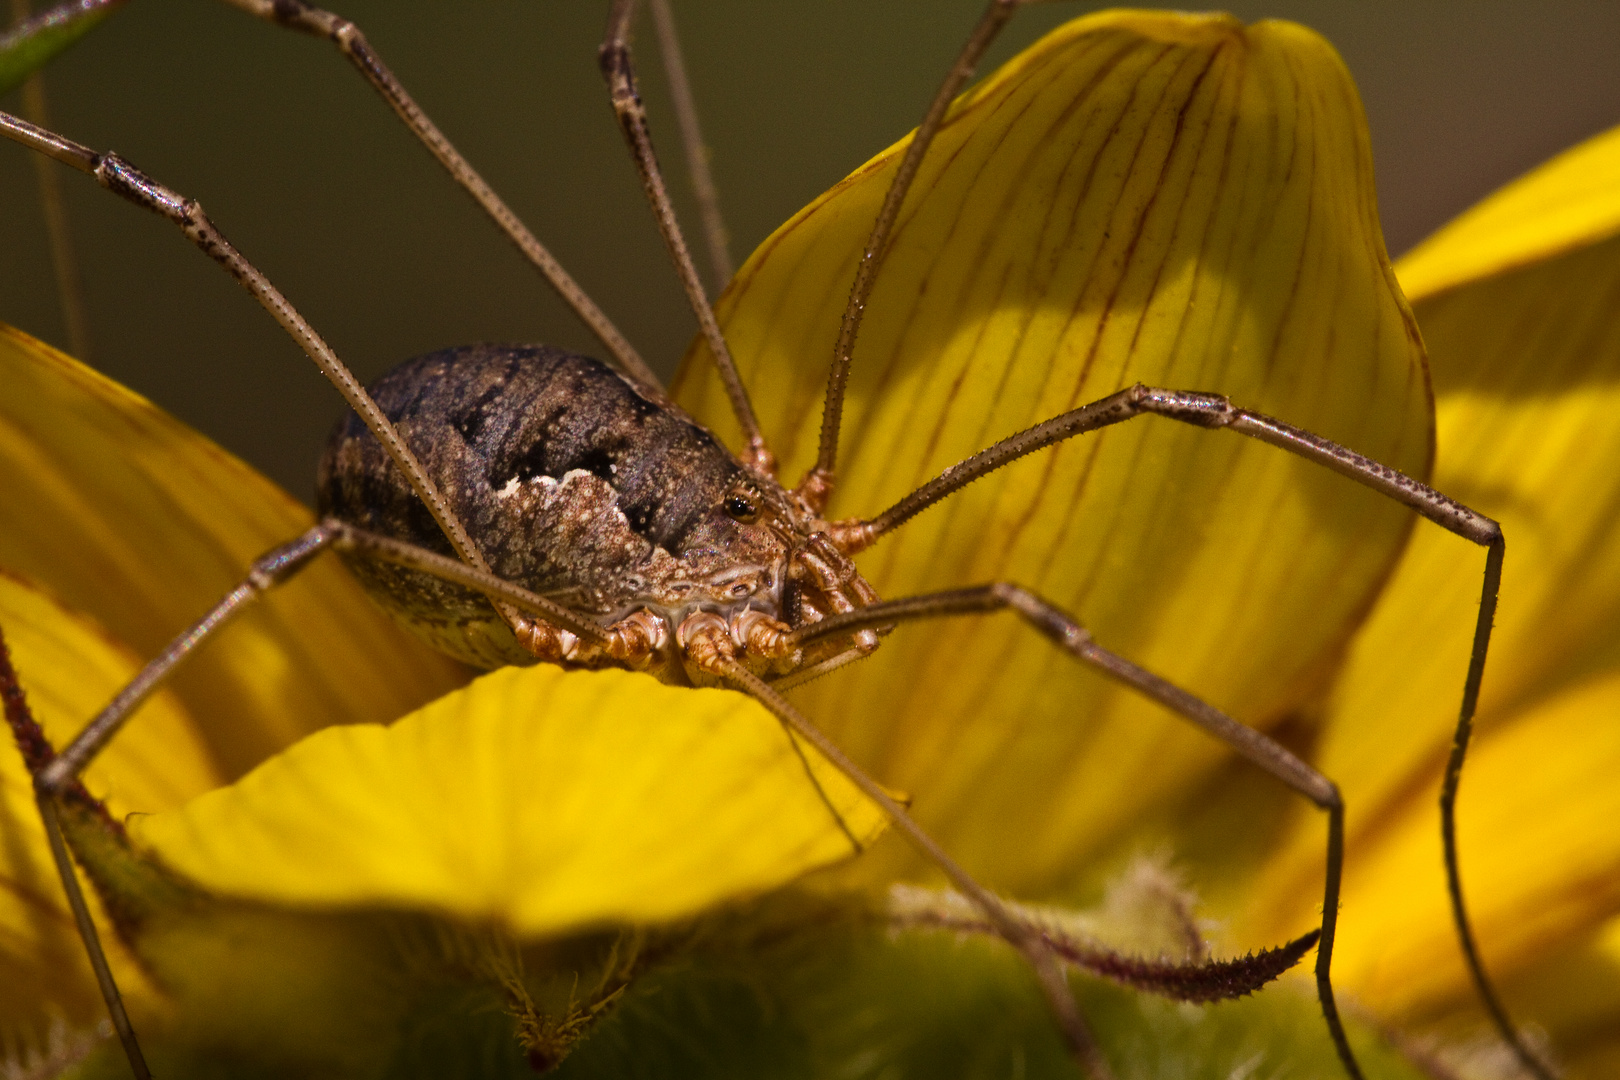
120, 177
1188, 407
1256, 746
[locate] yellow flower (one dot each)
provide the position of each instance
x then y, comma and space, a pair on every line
1171, 199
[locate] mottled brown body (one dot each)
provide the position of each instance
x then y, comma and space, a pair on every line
581, 489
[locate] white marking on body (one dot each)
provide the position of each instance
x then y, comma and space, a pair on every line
514, 486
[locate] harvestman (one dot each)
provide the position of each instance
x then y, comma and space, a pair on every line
783, 603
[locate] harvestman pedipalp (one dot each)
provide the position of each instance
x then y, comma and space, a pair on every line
827, 612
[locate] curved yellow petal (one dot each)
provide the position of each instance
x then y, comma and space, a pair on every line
1140, 196
1527, 373
129, 515
1526, 367
69, 668
1565, 204
542, 799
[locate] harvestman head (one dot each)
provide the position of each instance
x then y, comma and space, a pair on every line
522, 503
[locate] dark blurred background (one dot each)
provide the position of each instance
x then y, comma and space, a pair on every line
310, 175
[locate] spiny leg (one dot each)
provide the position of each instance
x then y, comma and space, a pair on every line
1217, 411
1257, 747
57, 775
297, 15
713, 654
619, 71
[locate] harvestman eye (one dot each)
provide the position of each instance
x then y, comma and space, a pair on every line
602, 447
741, 508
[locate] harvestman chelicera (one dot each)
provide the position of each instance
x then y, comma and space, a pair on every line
785, 601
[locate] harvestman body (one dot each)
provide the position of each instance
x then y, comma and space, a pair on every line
584, 491
514, 503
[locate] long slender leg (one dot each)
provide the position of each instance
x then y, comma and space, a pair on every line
1448, 827
695, 150
714, 653
620, 72
1188, 407
1217, 411
267, 571
297, 15
1257, 747
817, 486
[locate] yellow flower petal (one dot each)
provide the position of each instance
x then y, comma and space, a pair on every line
544, 799
1565, 204
129, 515
69, 669
1526, 365
1141, 196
